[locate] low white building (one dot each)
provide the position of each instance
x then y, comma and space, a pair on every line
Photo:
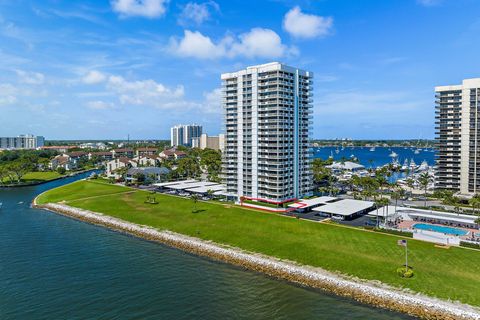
346, 166
115, 164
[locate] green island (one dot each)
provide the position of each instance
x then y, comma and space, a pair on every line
452, 273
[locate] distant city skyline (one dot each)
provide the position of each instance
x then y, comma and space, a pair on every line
109, 69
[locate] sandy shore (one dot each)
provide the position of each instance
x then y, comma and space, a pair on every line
372, 293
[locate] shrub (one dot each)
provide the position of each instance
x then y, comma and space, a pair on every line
469, 245
395, 232
405, 272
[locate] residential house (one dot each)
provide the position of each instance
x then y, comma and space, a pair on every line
171, 154
102, 155
115, 164
148, 160
148, 174
148, 151
125, 152
63, 161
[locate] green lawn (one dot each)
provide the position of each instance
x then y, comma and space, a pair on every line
446, 273
39, 176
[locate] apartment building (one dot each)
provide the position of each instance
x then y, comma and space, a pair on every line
182, 135
457, 117
211, 142
267, 125
26, 141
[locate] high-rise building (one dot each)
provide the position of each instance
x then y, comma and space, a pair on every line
267, 118
26, 141
182, 135
457, 118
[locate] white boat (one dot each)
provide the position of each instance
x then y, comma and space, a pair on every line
424, 166
417, 151
337, 151
393, 154
372, 149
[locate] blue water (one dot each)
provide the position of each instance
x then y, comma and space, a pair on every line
441, 229
53, 267
376, 158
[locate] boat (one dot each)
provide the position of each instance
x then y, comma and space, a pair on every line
405, 165
1, 204
424, 166
417, 151
393, 154
337, 151
372, 149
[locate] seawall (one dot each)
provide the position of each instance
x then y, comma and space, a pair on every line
372, 293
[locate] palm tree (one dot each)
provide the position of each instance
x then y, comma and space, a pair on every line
475, 203
195, 201
410, 183
424, 180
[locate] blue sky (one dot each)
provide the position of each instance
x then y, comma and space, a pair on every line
105, 69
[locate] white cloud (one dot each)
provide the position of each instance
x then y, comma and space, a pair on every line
100, 105
212, 101
142, 8
7, 94
30, 77
146, 92
195, 44
94, 77
302, 25
258, 42
429, 3
196, 13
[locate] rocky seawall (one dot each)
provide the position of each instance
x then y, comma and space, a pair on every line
372, 293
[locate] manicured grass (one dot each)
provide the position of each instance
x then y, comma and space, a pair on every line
80, 189
446, 273
37, 177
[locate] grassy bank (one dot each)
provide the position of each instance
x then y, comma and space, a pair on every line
40, 176
452, 273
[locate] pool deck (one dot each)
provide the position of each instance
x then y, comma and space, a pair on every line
408, 224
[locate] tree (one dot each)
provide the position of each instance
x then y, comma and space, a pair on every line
410, 183
188, 167
474, 202
195, 198
61, 170
424, 180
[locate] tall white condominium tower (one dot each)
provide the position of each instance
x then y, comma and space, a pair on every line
457, 132
267, 118
182, 135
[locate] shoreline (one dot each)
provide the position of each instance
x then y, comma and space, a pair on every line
36, 183
371, 293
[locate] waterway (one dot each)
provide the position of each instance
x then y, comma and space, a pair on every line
379, 157
53, 267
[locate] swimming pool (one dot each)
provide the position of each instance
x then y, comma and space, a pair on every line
441, 229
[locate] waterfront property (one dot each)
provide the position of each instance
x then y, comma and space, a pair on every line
448, 274
26, 141
458, 136
428, 225
267, 110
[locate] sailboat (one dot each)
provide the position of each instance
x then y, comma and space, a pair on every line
393, 154
372, 149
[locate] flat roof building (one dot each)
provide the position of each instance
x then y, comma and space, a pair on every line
27, 141
267, 125
457, 124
